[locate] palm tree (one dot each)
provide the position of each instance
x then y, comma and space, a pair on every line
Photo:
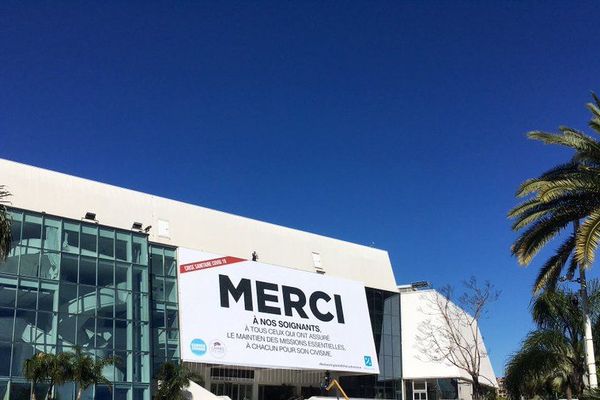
562, 197
551, 360
5, 232
86, 371
35, 369
58, 370
173, 379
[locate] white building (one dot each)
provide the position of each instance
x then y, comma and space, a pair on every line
150, 280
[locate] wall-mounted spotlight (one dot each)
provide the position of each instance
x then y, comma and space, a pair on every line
254, 256
147, 229
90, 216
420, 285
137, 225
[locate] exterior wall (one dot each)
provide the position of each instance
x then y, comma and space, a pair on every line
418, 307
185, 225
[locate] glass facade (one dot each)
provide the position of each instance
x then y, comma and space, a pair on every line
384, 310
70, 283
165, 316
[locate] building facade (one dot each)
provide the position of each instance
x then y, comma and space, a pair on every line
98, 267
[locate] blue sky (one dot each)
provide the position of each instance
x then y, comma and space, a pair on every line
394, 124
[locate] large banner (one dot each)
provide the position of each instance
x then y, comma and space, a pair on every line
239, 312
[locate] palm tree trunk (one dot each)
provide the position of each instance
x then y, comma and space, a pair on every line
589, 343
79, 392
49, 394
568, 393
32, 389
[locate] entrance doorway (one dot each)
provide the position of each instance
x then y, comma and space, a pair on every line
236, 391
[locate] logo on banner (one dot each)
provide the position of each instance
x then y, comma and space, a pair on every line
368, 361
217, 348
198, 347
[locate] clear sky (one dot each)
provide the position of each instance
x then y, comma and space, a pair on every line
394, 124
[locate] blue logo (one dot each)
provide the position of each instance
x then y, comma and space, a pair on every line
198, 347
368, 361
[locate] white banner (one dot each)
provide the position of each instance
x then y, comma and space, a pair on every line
240, 312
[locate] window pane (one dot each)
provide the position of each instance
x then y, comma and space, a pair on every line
87, 271
32, 231
6, 324
8, 291
51, 234
123, 247
48, 297
24, 325
68, 298
105, 273
87, 300
158, 291
46, 328
122, 276
104, 333
171, 290
68, 268
88, 240
106, 243
49, 265
5, 350
70, 238
123, 305
27, 294
170, 263
106, 302
140, 250
156, 262
140, 279
29, 261
86, 328
16, 223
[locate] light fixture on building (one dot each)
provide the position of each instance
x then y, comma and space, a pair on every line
420, 285
254, 256
147, 229
90, 216
137, 225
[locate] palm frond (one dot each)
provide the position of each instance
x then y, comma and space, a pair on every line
551, 270
588, 236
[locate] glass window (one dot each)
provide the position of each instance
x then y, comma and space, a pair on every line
123, 247
49, 265
48, 296
16, 224
123, 335
52, 234
106, 302
86, 328
88, 240
106, 243
156, 261
121, 393
87, 271
122, 280
140, 250
47, 324
67, 300
6, 324
87, 300
140, 279
172, 321
21, 352
171, 290
170, 263
19, 390
68, 268
67, 330
123, 305
103, 392
5, 351
140, 307
8, 291
32, 231
27, 293
70, 238
158, 318
29, 261
104, 333
140, 394
106, 273
158, 290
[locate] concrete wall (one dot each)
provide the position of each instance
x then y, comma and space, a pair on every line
416, 309
186, 225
